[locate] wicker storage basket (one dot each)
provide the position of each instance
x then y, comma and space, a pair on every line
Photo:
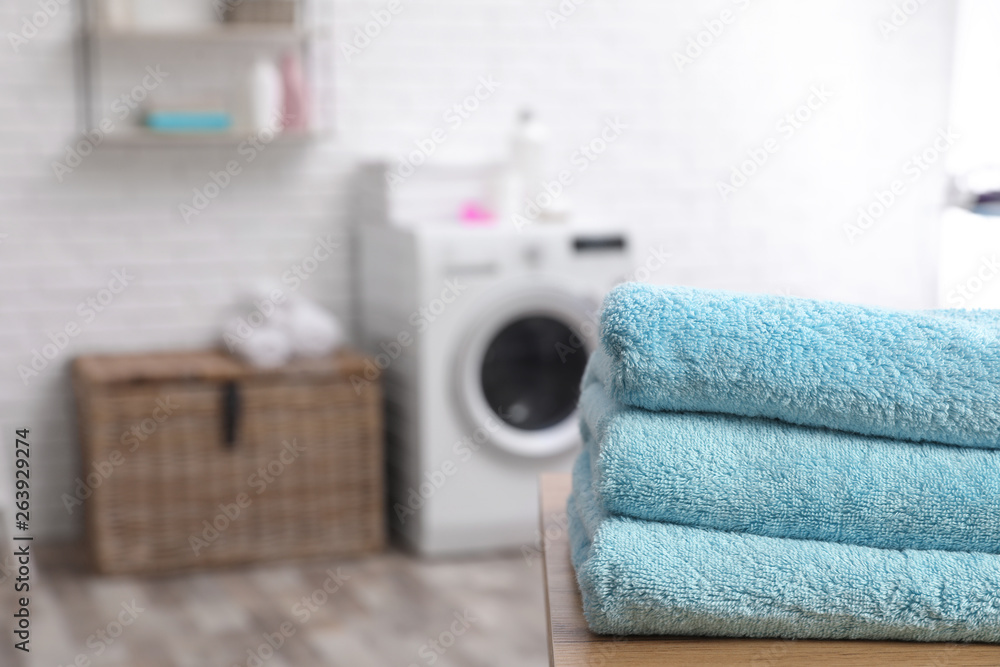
263, 11
195, 459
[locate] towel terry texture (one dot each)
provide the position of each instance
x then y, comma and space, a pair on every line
921, 376
767, 477
775, 467
644, 577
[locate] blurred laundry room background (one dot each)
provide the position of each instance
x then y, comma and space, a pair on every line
688, 121
828, 150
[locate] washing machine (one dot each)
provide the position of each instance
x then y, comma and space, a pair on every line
479, 338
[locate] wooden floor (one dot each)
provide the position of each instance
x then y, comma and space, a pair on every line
389, 610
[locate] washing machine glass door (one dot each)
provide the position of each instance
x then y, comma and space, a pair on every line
522, 368
531, 372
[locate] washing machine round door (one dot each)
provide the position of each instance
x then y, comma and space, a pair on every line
520, 372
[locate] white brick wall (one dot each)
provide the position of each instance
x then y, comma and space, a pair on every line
783, 231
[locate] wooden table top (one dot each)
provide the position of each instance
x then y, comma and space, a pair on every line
572, 643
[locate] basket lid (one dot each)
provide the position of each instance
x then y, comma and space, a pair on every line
207, 365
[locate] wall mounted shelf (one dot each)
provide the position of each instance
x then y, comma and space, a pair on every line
223, 33
209, 66
141, 137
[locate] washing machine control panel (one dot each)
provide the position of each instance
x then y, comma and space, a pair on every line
603, 243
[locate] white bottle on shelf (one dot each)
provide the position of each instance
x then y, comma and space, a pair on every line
518, 193
265, 96
528, 145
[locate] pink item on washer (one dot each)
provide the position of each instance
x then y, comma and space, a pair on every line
474, 214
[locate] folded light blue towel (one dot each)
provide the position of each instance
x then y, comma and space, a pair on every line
642, 577
922, 376
189, 121
767, 477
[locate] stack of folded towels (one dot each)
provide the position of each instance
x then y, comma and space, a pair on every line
759, 466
